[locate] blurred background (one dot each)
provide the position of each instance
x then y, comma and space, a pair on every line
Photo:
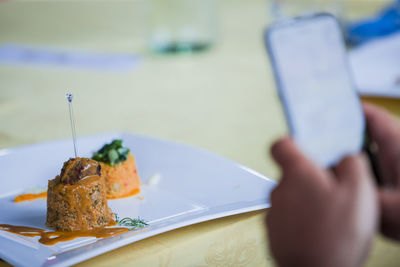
193, 71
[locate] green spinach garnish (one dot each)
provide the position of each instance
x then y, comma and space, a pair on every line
112, 153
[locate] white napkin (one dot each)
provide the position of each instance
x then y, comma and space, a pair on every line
376, 67
42, 56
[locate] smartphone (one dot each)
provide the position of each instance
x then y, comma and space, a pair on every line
322, 108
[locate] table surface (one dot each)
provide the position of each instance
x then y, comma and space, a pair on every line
223, 100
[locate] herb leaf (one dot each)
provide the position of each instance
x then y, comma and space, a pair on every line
131, 223
112, 153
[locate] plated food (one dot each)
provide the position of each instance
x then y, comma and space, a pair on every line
77, 197
118, 168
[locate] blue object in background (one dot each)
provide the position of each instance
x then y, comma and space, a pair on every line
385, 23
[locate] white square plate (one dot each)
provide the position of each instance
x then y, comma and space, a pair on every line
194, 186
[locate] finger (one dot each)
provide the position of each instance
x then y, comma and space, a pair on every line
390, 213
383, 127
352, 170
384, 130
294, 163
357, 191
282, 149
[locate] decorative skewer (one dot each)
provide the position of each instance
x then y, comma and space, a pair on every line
71, 118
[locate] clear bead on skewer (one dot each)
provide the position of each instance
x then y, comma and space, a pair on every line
71, 118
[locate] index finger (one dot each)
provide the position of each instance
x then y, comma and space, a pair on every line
384, 130
295, 165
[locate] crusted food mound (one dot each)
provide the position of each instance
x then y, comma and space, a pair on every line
76, 199
122, 180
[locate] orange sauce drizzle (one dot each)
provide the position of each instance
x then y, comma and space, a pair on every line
22, 230
112, 223
132, 193
29, 197
53, 237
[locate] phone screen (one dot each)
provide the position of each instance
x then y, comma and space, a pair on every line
311, 69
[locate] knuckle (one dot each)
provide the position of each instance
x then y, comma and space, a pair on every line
279, 146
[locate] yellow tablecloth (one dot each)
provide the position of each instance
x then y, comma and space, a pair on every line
223, 100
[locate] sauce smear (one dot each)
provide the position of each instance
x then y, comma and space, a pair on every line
29, 197
22, 230
53, 237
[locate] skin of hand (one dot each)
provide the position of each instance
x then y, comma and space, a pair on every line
321, 217
384, 130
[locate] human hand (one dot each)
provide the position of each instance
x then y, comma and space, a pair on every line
384, 130
321, 217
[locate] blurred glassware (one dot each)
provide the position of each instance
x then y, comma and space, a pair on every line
177, 26
281, 9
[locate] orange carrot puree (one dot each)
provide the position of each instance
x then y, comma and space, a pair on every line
133, 192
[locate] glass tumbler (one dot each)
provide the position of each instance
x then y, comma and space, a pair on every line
181, 25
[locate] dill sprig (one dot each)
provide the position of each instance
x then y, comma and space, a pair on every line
131, 223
